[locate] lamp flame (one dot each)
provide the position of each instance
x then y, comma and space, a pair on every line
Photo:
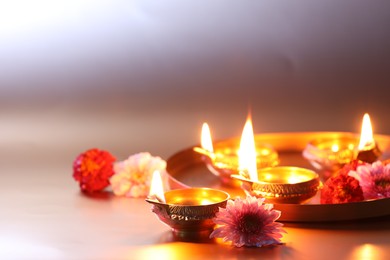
366, 136
156, 188
247, 151
206, 141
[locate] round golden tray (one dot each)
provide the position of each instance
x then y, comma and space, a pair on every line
187, 167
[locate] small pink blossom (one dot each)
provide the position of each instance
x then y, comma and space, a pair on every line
133, 176
248, 222
374, 179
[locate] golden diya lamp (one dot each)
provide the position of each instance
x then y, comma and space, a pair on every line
280, 184
330, 154
223, 159
368, 149
188, 212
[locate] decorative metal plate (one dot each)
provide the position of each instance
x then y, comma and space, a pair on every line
187, 167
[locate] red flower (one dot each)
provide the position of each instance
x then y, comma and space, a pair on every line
341, 189
352, 166
92, 169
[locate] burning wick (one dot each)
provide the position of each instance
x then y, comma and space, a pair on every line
366, 137
206, 143
247, 152
368, 150
156, 191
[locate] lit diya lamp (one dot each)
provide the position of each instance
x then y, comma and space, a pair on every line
368, 150
331, 154
189, 212
280, 184
223, 159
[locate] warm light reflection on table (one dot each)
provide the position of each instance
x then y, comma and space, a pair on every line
368, 251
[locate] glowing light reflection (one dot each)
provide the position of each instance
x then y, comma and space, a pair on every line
368, 251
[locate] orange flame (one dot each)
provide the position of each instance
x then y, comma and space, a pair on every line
247, 151
366, 136
206, 141
156, 188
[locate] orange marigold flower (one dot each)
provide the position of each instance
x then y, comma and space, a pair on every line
92, 169
342, 188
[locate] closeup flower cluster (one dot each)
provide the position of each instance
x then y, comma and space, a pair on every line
358, 181
97, 169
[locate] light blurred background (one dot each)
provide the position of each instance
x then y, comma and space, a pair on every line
132, 76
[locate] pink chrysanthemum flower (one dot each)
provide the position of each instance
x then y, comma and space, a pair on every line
248, 222
374, 179
133, 176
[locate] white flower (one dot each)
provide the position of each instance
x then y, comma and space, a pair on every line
133, 176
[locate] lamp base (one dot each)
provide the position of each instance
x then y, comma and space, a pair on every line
370, 155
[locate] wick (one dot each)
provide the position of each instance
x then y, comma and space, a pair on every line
209, 154
156, 198
245, 174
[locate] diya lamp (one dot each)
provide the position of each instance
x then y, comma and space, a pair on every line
188, 212
223, 158
368, 150
280, 184
331, 154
